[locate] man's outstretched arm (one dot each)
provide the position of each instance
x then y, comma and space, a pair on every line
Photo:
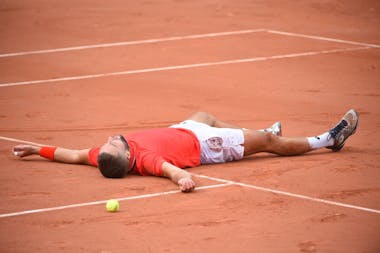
62, 155
178, 176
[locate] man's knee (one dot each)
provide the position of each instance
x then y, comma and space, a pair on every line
203, 117
270, 140
257, 141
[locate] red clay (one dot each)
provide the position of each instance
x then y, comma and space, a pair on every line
308, 94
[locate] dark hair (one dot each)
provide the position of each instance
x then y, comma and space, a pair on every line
112, 166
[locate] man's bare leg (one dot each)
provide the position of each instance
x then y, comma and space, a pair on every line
208, 119
256, 141
333, 139
211, 120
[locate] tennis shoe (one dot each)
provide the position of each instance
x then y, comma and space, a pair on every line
275, 129
344, 129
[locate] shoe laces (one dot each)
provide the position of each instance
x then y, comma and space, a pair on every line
336, 130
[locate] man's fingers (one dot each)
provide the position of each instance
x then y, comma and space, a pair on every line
186, 185
16, 148
17, 151
186, 189
22, 150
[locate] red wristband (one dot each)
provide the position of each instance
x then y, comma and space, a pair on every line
48, 152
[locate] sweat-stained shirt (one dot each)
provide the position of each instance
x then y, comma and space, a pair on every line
151, 148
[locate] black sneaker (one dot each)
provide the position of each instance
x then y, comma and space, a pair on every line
344, 129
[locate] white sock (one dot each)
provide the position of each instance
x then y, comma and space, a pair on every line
320, 141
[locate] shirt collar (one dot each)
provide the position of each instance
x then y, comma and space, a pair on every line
132, 158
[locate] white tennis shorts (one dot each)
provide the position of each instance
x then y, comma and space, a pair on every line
218, 145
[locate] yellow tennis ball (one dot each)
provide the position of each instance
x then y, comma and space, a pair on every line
112, 205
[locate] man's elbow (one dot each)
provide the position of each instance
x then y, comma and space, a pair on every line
76, 158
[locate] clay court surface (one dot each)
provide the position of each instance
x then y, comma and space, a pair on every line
73, 73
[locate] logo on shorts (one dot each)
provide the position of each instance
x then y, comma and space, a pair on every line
215, 143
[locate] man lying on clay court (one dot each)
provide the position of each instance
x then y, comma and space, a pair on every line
202, 139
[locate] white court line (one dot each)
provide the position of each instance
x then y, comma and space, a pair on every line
220, 180
176, 38
289, 194
322, 38
188, 66
21, 141
136, 42
105, 201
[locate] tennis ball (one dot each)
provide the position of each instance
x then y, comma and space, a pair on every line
112, 205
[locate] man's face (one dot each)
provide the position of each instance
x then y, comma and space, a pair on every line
117, 145
117, 141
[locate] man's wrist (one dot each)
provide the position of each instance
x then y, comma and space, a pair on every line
47, 152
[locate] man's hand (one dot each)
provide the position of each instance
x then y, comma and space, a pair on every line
26, 150
178, 176
186, 184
